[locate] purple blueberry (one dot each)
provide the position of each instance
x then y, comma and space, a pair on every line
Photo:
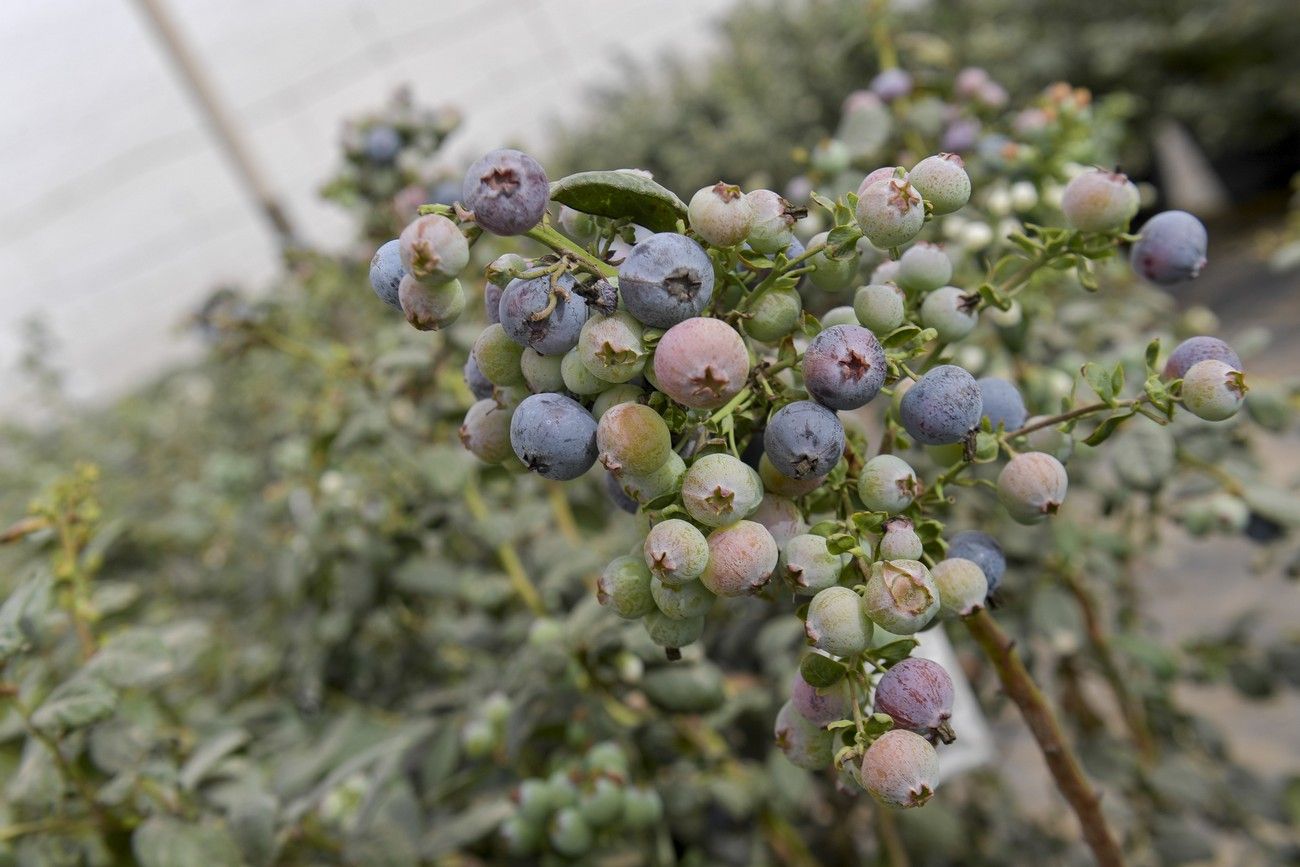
892, 84
554, 436
507, 190
1003, 404
844, 367
819, 706
918, 694
804, 440
546, 318
386, 273
982, 550
1170, 248
1195, 349
382, 144
666, 279
485, 433
618, 496
943, 407
492, 302
479, 385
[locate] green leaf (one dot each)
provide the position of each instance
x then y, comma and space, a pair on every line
621, 195
894, 651
1100, 380
1117, 378
1152, 354
76, 703
842, 242
19, 615
877, 724
868, 522
161, 841
841, 542
135, 657
208, 754
824, 528
901, 335
820, 671
1106, 428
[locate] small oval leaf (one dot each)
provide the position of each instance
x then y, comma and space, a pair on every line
621, 195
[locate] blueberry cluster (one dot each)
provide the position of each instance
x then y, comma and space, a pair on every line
571, 812
671, 344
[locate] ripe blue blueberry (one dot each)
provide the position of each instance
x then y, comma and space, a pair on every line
1170, 248
479, 385
554, 436
804, 440
951, 312
667, 278
386, 272
544, 316
720, 489
1099, 201
844, 367
1032, 486
721, 214
887, 484
382, 144
982, 550
901, 596
924, 267
943, 407
1003, 405
942, 181
1195, 349
618, 496
882, 307
507, 190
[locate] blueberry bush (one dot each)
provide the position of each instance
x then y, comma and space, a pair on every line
287, 619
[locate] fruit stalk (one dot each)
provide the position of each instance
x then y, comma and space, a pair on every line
1020, 687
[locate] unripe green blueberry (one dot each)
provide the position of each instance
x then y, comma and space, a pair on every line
779, 483
808, 565
1099, 201
612, 397
774, 315
685, 687
837, 622
900, 769
666, 631
887, 484
821, 707
830, 156
1213, 391
606, 757
774, 219
478, 738
541, 372
536, 801
951, 312
633, 438
890, 213
806, 744
720, 489
578, 378
642, 808
885, 272
901, 596
577, 225
681, 601
612, 347
884, 173
498, 357
433, 249
602, 804
962, 586
900, 541
570, 834
942, 181
652, 486
742, 558
1032, 486
501, 270
428, 306
880, 307
675, 551
924, 267
830, 275
781, 517
522, 837
485, 433
842, 315
701, 363
721, 214
624, 586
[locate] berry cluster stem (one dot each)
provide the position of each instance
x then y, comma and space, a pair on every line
544, 233
1061, 760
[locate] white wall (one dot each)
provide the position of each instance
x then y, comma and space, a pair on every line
118, 213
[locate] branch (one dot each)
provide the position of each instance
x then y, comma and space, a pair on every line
1061, 760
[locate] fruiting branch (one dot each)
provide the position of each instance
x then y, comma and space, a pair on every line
1064, 765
